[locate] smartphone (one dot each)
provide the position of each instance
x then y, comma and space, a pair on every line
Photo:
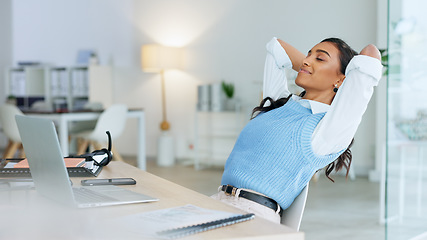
109, 181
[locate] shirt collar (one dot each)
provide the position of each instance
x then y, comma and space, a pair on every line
316, 107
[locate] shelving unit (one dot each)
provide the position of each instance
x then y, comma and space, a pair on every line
27, 83
67, 87
79, 87
216, 133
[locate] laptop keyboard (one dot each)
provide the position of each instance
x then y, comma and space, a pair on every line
84, 195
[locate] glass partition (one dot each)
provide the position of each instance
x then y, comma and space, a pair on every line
406, 151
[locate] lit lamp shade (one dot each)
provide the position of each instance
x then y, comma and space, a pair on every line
155, 58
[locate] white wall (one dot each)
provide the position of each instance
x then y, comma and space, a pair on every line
224, 39
5, 48
53, 31
6, 37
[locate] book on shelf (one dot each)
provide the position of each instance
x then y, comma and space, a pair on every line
79, 82
58, 81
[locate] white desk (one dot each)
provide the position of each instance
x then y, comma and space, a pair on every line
62, 121
26, 215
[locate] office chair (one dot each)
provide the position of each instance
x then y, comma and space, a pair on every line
89, 125
10, 129
292, 216
113, 119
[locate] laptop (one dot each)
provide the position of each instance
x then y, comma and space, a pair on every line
50, 175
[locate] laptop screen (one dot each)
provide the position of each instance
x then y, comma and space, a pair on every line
45, 158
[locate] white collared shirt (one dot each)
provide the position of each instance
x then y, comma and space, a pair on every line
339, 125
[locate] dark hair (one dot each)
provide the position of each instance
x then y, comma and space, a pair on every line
346, 53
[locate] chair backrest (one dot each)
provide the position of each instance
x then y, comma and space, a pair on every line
113, 119
93, 106
8, 123
292, 216
41, 106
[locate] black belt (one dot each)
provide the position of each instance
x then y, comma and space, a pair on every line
265, 201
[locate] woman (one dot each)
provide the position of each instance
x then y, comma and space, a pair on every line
291, 137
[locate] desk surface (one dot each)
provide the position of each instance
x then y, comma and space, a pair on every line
170, 195
31, 111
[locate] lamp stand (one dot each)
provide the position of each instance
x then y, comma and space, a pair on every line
164, 125
165, 148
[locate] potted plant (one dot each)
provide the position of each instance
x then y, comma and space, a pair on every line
228, 89
384, 60
11, 99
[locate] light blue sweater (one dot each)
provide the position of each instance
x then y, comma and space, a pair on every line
273, 154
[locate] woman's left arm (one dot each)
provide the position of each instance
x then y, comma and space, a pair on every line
339, 125
371, 51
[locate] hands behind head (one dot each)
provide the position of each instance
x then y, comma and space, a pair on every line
371, 51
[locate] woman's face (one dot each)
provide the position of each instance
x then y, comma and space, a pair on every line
320, 70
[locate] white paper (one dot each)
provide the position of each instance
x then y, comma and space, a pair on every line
149, 223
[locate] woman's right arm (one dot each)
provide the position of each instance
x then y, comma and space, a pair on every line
280, 55
296, 56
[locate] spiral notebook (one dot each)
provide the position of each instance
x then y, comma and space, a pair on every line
172, 223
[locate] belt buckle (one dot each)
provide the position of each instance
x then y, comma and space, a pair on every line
230, 190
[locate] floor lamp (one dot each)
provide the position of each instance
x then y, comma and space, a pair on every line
158, 58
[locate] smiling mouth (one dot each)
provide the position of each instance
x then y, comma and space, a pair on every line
304, 71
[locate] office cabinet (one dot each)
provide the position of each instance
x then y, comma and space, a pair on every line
26, 84
64, 87
28, 81
67, 85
